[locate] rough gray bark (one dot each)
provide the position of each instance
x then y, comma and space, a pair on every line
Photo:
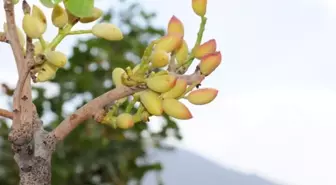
34, 158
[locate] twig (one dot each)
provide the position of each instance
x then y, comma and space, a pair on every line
192, 78
90, 109
6, 114
172, 63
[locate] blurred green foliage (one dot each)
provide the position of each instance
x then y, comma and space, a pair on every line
96, 154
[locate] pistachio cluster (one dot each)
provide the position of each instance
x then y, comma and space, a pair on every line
160, 70
157, 71
47, 59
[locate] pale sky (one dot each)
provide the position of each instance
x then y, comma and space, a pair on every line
275, 112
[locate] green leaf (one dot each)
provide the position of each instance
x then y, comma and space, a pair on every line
50, 3
80, 8
47, 3
56, 1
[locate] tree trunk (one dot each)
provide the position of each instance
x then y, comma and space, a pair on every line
34, 158
37, 174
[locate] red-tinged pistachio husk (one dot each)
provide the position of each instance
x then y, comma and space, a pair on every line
177, 90
125, 121
32, 26
152, 102
210, 62
107, 31
199, 7
56, 58
176, 109
206, 48
182, 53
59, 17
159, 58
202, 96
175, 26
161, 83
169, 42
96, 14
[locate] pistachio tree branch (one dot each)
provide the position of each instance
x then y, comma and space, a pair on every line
22, 123
6, 113
172, 63
89, 110
28, 62
30, 50
13, 39
12, 34
94, 107
191, 78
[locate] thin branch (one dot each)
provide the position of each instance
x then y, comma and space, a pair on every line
15, 45
12, 34
29, 62
91, 109
172, 63
192, 78
6, 113
21, 131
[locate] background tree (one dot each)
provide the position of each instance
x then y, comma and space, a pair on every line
96, 153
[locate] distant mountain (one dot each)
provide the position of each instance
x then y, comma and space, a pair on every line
185, 168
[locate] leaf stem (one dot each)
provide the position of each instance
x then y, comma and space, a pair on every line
183, 67
62, 33
78, 32
131, 104
43, 42
146, 57
138, 115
